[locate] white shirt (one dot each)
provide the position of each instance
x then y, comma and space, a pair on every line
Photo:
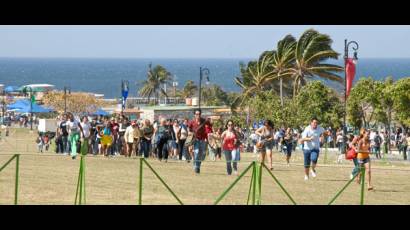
315, 133
73, 126
129, 134
372, 135
86, 129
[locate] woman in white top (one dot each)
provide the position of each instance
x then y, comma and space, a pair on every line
85, 145
182, 135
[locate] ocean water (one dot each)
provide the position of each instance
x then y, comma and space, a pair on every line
104, 75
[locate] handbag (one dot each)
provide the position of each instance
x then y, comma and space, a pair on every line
260, 145
351, 154
190, 139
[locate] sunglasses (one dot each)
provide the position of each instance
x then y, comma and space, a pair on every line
197, 114
230, 124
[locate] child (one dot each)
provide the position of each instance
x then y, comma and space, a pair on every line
40, 143
46, 142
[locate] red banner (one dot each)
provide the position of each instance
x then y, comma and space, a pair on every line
350, 68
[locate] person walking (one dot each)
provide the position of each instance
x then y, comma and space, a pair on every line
212, 146
147, 133
115, 130
230, 148
175, 140
404, 144
377, 141
106, 137
136, 139
162, 136
74, 130
129, 138
287, 141
182, 135
312, 136
265, 145
64, 134
363, 155
86, 145
197, 126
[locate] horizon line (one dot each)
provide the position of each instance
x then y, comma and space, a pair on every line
56, 57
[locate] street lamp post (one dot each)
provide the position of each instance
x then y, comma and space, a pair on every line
31, 107
346, 56
65, 97
202, 71
175, 84
4, 105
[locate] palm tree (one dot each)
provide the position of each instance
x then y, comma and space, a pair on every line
283, 59
189, 89
311, 50
156, 77
255, 77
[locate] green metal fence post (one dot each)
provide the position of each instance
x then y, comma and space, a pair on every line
250, 187
140, 183
280, 185
340, 192
81, 182
162, 181
78, 186
17, 178
83, 159
234, 183
254, 183
259, 198
363, 171
7, 163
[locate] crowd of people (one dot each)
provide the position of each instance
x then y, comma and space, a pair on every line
192, 140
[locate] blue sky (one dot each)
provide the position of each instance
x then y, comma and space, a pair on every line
191, 41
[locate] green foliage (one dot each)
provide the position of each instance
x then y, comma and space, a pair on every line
312, 49
317, 100
214, 96
189, 89
400, 93
288, 67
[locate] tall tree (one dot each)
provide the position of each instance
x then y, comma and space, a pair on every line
400, 93
283, 59
255, 77
77, 102
362, 101
311, 51
156, 78
317, 100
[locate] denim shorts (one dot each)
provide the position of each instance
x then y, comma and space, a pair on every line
310, 156
269, 145
363, 161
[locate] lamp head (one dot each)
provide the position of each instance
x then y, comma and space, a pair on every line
355, 56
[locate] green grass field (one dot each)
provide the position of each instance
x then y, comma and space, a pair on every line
49, 178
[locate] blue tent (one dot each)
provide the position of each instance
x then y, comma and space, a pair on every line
19, 104
23, 106
10, 89
100, 112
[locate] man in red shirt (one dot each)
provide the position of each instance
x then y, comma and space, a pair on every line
197, 125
